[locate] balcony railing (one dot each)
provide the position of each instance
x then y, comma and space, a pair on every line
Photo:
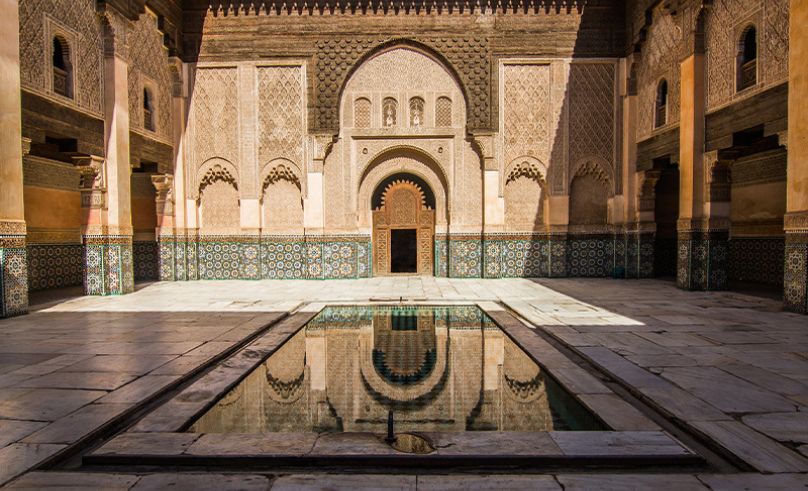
148, 119
748, 76
60, 82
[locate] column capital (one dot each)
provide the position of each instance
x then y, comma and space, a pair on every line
93, 180
26, 146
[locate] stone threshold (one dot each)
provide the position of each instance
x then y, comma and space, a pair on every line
159, 438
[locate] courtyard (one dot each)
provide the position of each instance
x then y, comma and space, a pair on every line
724, 373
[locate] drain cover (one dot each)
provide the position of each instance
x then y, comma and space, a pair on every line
409, 443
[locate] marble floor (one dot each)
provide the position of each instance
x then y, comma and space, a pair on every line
728, 367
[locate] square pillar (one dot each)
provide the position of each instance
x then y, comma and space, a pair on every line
795, 281
13, 259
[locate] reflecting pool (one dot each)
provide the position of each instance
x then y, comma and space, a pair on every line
437, 368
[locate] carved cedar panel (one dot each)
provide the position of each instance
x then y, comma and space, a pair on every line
403, 207
214, 115
35, 50
591, 116
148, 57
659, 59
526, 111
281, 113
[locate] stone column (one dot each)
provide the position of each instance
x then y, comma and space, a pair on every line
702, 241
108, 226
172, 241
640, 232
795, 279
13, 260
164, 205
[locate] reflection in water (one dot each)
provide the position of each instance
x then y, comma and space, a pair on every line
437, 368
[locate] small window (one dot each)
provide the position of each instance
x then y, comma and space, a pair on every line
416, 111
747, 59
362, 113
148, 109
661, 104
62, 68
389, 111
443, 112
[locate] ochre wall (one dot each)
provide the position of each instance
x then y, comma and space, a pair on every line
52, 208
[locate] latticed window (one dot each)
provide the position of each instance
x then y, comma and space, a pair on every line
362, 113
747, 59
148, 110
661, 104
389, 111
443, 112
416, 111
62, 68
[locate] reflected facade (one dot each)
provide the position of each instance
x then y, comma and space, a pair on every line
446, 369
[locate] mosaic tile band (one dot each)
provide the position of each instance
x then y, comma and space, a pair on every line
13, 281
795, 277
108, 265
280, 257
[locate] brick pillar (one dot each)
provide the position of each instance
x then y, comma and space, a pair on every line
13, 260
795, 279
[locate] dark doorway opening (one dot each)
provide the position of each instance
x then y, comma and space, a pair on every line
666, 212
403, 251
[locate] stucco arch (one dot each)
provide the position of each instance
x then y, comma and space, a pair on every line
276, 164
210, 165
410, 45
596, 166
402, 160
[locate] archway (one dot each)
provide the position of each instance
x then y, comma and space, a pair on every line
403, 226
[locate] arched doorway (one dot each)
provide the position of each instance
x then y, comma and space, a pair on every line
403, 226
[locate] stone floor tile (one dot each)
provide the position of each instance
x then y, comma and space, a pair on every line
328, 482
202, 482
148, 444
498, 482
47, 404
262, 444
579, 381
12, 430
19, 457
140, 389
76, 425
79, 380
623, 369
755, 482
617, 413
137, 365
181, 365
78, 481
784, 427
612, 443
755, 449
492, 443
726, 392
625, 482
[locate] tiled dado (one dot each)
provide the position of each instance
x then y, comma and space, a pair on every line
146, 260
795, 276
756, 259
544, 255
268, 257
13, 272
702, 260
108, 264
55, 265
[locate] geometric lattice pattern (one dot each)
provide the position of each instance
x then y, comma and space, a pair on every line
757, 259
527, 102
591, 120
55, 265
108, 268
146, 261
280, 115
13, 281
702, 260
795, 277
270, 257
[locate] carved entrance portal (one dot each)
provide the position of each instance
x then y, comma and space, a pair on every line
403, 230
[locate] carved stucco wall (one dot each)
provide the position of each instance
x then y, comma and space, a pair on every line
588, 200
659, 59
470, 56
213, 119
724, 24
527, 126
148, 67
402, 73
281, 114
78, 19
